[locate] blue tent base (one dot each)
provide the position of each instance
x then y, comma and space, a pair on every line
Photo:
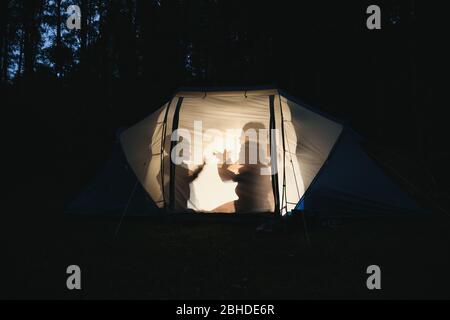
114, 190
351, 184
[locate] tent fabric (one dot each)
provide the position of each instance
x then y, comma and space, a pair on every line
310, 161
352, 184
309, 138
142, 146
227, 93
113, 190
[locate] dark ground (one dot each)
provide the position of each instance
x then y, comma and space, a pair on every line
169, 259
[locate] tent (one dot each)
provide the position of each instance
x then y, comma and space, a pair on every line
241, 151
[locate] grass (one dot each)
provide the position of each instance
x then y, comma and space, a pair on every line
169, 259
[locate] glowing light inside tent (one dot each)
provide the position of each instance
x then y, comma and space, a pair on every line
208, 191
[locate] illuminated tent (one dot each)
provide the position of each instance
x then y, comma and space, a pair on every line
305, 161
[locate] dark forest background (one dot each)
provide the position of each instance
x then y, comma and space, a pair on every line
78, 87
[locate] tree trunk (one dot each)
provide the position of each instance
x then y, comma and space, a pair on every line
4, 46
27, 37
31, 34
131, 39
58, 51
20, 62
84, 31
145, 15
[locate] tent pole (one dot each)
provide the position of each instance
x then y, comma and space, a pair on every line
163, 145
126, 208
273, 155
175, 122
284, 194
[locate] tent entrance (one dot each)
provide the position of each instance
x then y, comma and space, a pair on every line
233, 174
